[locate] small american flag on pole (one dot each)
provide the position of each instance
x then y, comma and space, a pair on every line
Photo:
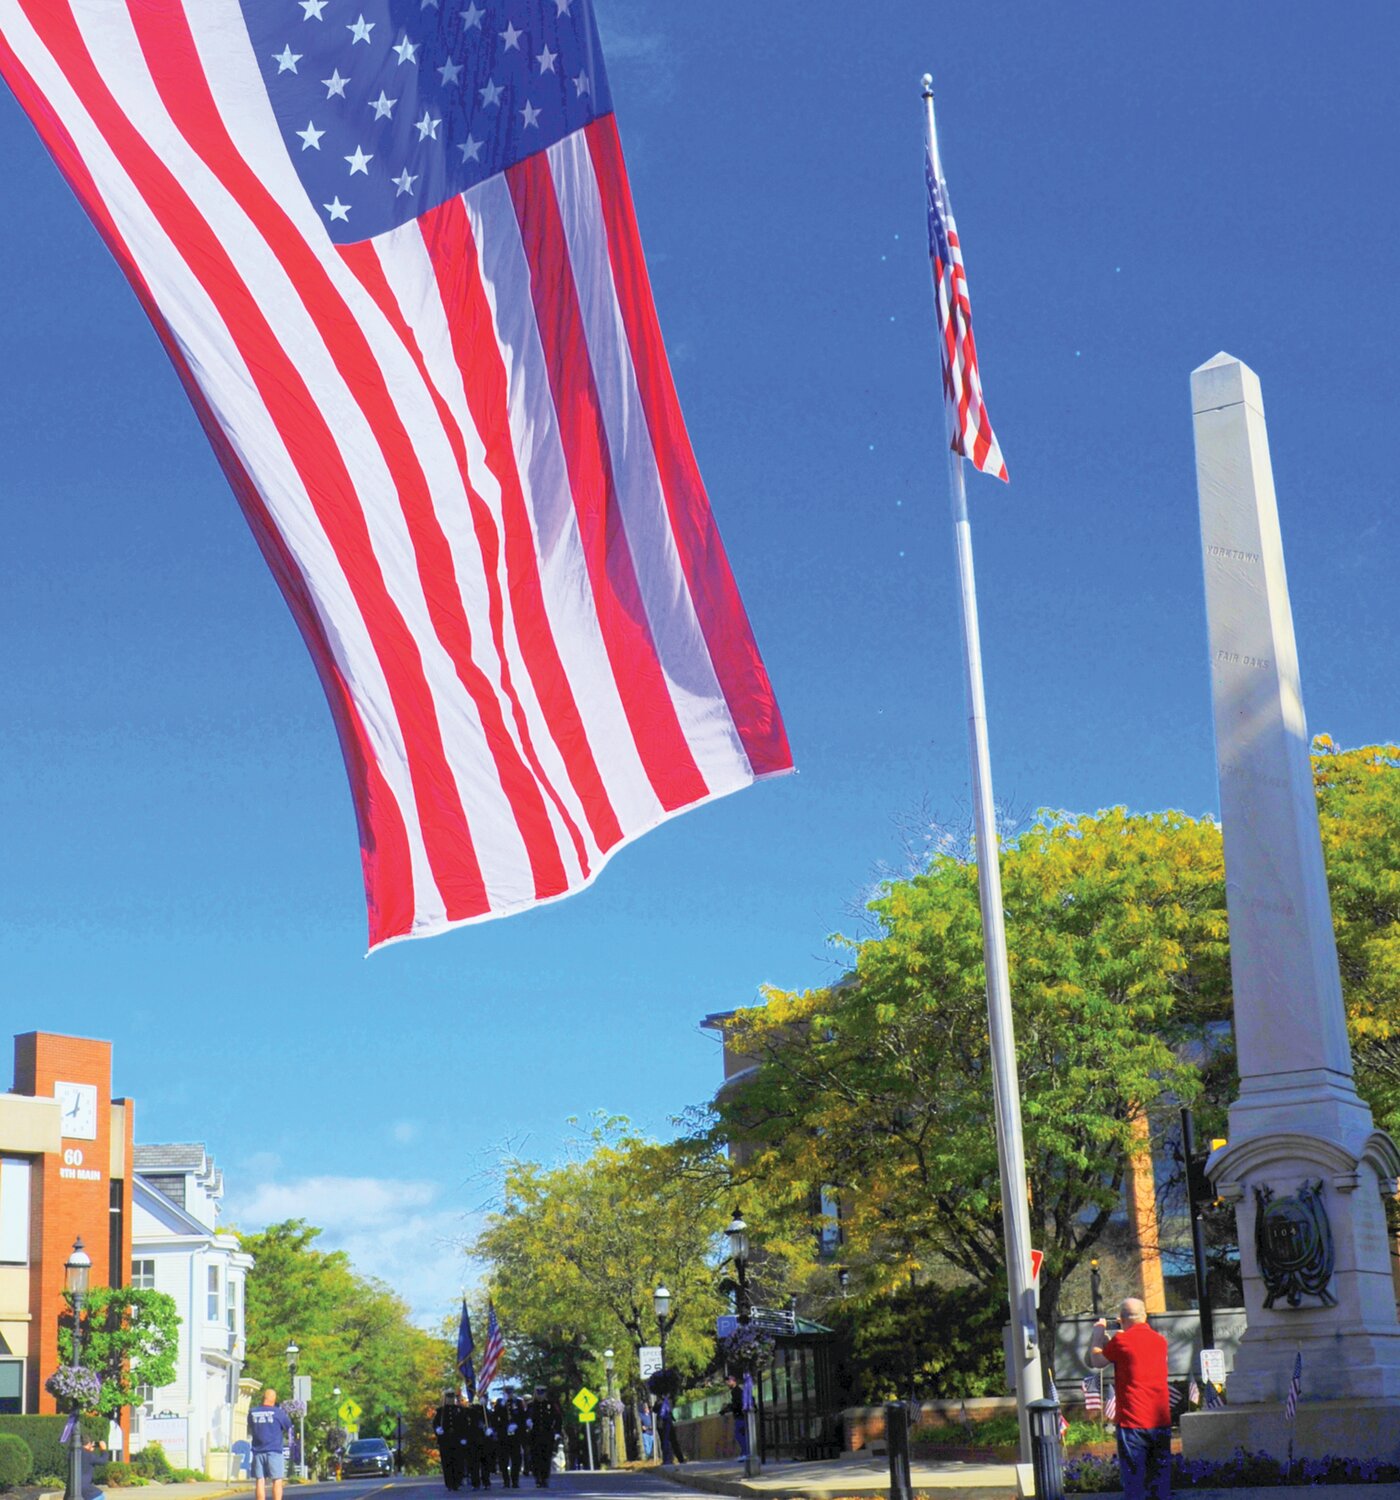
1110, 1405
1295, 1389
1092, 1387
389, 247
972, 434
491, 1354
1193, 1392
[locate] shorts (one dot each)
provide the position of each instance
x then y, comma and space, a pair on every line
268, 1465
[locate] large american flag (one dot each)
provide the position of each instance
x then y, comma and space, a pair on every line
491, 1354
390, 247
972, 434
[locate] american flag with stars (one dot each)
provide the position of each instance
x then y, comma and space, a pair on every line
491, 1354
1295, 1389
1092, 1386
972, 434
390, 247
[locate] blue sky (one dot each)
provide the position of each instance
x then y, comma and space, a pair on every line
1136, 189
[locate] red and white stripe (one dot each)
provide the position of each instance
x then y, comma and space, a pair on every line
962, 382
491, 1354
459, 448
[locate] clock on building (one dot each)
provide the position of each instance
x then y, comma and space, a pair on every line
77, 1103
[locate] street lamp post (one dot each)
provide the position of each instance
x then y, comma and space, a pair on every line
75, 1281
616, 1442
293, 1352
665, 1318
1095, 1291
738, 1237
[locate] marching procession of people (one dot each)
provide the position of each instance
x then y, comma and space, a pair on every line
477, 1439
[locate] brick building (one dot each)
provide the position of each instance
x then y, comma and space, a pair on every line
66, 1154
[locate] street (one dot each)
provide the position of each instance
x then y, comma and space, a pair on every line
576, 1485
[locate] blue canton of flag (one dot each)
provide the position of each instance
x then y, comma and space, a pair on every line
391, 107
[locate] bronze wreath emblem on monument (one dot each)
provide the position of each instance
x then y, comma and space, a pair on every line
1293, 1243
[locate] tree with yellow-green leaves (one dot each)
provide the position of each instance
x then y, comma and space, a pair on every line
1359, 805
351, 1331
879, 1087
576, 1250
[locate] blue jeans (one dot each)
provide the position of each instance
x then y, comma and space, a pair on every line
1145, 1461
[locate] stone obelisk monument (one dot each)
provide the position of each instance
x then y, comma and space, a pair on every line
1304, 1166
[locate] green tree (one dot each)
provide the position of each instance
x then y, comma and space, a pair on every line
352, 1332
130, 1336
1359, 810
879, 1087
576, 1250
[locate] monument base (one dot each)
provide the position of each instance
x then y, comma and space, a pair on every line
1338, 1429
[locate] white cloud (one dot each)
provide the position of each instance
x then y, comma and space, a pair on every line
400, 1231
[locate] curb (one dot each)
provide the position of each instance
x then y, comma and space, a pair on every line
714, 1485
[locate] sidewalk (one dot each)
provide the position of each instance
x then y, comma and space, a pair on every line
870, 1480
210, 1489
863, 1477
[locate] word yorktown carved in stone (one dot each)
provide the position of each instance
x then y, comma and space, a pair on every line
1293, 1241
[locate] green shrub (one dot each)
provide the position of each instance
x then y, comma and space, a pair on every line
42, 1434
151, 1463
117, 1475
16, 1461
190, 1476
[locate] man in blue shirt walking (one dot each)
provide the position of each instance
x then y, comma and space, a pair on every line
268, 1429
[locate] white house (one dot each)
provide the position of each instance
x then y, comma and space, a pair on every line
177, 1247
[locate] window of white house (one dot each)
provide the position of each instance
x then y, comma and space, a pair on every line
143, 1275
14, 1211
232, 1308
11, 1387
213, 1294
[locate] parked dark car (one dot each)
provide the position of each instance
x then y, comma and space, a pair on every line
367, 1456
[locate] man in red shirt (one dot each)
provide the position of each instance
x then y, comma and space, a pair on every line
1138, 1354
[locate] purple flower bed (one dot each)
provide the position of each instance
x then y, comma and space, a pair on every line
1240, 1470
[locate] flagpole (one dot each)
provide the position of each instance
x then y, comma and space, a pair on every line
1011, 1156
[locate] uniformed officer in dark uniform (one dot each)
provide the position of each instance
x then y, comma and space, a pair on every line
481, 1448
542, 1434
450, 1427
510, 1436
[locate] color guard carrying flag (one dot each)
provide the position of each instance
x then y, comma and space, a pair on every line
465, 1345
491, 1354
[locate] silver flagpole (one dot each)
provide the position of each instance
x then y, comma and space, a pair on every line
1011, 1154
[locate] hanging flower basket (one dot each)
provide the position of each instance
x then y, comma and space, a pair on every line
747, 1348
294, 1409
73, 1385
610, 1406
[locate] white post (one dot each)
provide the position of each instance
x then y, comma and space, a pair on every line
1011, 1156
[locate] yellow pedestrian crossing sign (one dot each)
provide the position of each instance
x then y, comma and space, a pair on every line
349, 1411
585, 1401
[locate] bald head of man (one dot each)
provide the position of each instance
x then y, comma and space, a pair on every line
1132, 1310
